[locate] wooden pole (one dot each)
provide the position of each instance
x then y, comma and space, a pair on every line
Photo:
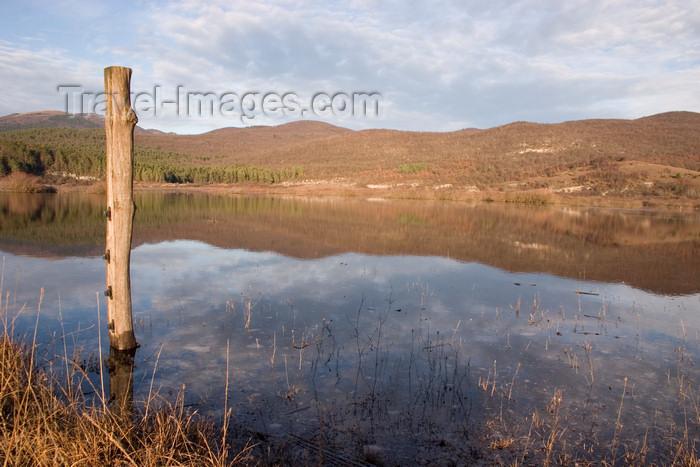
120, 121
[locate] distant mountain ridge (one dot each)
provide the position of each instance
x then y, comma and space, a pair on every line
59, 119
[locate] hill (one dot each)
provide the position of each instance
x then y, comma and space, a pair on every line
654, 156
57, 119
234, 142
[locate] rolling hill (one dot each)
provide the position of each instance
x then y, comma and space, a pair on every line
654, 156
57, 119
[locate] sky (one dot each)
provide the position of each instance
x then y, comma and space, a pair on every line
436, 65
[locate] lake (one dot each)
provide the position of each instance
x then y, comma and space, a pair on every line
393, 330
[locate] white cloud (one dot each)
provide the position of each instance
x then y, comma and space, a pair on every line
31, 77
439, 65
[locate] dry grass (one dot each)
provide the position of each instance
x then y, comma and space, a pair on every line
429, 406
534, 199
573, 430
20, 182
45, 424
550, 435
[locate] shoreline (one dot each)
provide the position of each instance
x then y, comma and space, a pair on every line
347, 189
541, 197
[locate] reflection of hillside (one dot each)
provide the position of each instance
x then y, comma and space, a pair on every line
51, 226
658, 252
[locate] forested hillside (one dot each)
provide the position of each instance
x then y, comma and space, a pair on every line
655, 156
65, 152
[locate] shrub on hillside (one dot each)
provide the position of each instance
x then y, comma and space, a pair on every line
20, 182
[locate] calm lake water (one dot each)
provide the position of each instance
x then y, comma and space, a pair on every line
406, 329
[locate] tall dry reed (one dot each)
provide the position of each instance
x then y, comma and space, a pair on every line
42, 423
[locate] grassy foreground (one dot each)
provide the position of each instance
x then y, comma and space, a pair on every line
44, 423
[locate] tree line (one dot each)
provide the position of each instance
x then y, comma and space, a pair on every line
81, 152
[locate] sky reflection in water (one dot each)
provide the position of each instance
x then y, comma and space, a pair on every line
190, 298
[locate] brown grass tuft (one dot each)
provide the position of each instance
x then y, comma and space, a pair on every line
20, 182
44, 425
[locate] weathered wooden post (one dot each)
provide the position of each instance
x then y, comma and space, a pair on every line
120, 120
